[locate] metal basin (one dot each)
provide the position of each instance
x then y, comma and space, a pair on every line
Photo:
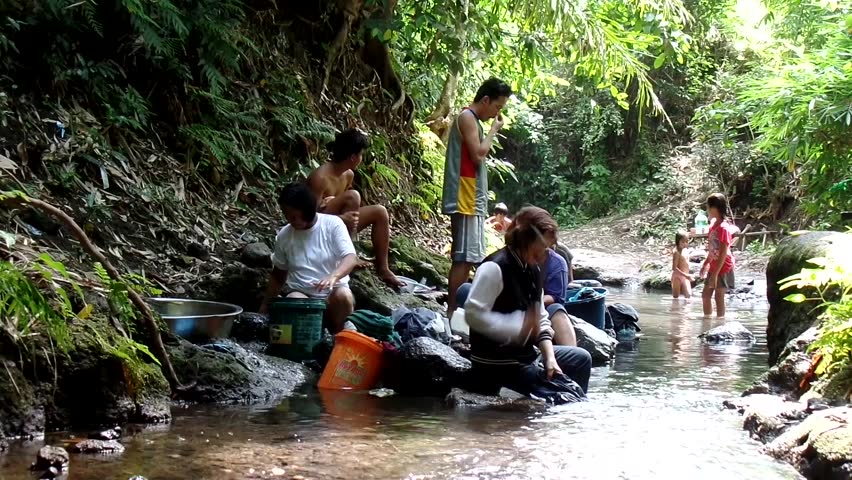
196, 318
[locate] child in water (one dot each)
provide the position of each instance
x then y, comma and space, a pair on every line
719, 266
681, 279
500, 221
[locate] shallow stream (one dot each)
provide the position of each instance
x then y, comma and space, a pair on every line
655, 414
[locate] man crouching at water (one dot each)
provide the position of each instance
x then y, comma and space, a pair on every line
332, 185
313, 256
505, 310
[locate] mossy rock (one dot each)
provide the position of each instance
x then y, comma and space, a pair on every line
820, 446
373, 294
658, 280
93, 386
98, 387
21, 412
836, 386
586, 272
788, 320
409, 260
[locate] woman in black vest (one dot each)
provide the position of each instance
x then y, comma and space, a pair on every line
505, 311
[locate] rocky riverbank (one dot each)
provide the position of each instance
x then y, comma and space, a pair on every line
802, 418
91, 386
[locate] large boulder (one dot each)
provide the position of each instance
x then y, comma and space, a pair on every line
92, 386
610, 269
251, 327
225, 372
729, 332
50, 456
373, 294
787, 320
428, 367
767, 416
820, 446
98, 446
657, 280
256, 255
785, 377
409, 260
584, 271
98, 387
595, 341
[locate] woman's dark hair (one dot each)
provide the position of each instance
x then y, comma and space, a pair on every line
529, 225
681, 235
719, 202
493, 88
299, 197
347, 143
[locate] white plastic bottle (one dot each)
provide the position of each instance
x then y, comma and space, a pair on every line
700, 223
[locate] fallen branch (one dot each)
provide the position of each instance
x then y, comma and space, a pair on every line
94, 251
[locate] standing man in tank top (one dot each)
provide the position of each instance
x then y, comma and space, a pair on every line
465, 197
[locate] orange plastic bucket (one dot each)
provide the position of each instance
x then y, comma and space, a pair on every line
355, 363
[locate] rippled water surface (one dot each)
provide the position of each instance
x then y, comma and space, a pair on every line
655, 414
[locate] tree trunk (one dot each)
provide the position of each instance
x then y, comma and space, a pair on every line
351, 11
377, 55
441, 117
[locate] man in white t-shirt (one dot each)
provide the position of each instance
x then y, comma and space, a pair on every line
313, 256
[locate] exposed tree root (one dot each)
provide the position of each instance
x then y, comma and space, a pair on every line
138, 302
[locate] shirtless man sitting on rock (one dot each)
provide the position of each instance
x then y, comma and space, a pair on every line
332, 185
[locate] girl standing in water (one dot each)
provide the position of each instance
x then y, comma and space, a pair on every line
719, 266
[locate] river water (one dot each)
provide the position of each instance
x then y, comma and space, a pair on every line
656, 413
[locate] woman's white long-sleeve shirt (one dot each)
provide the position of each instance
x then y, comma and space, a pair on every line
501, 327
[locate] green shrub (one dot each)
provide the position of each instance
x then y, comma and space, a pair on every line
832, 280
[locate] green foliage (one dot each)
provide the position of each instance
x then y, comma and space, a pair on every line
35, 307
831, 278
125, 312
758, 248
662, 224
197, 74
792, 107
571, 158
427, 197
603, 41
27, 313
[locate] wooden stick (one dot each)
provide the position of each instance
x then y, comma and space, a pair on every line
743, 236
138, 302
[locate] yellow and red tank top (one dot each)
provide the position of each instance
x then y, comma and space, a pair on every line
465, 184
